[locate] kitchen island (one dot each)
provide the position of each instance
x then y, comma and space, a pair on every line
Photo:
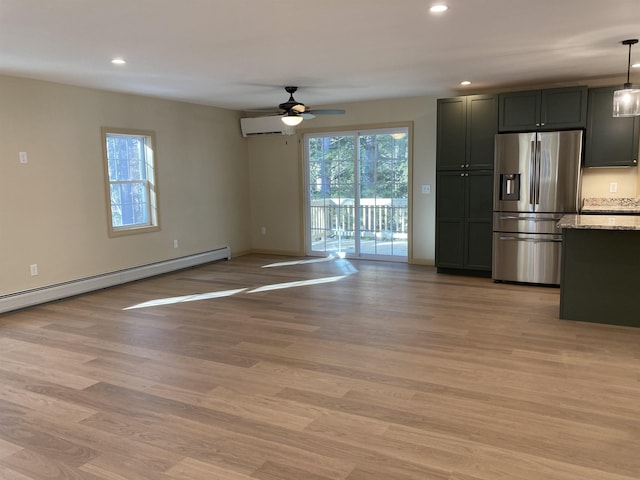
600, 269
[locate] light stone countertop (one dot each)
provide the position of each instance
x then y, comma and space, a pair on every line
600, 222
611, 205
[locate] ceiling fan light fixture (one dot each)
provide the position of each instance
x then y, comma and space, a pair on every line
291, 119
626, 102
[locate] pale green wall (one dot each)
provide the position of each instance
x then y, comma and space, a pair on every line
275, 174
52, 210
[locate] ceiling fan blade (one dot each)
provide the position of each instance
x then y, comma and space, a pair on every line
273, 111
307, 116
327, 111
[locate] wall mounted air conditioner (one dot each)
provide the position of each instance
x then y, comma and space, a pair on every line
265, 126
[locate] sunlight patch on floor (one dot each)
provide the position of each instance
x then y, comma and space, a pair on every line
301, 283
298, 262
186, 298
344, 266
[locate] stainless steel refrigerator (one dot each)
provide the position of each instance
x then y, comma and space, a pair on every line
537, 181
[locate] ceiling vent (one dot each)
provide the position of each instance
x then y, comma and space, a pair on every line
265, 126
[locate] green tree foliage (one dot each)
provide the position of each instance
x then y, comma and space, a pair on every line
383, 166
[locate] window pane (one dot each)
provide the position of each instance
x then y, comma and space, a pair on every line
126, 157
129, 204
131, 179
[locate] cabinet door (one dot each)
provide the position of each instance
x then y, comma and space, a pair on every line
563, 108
451, 137
482, 126
611, 142
478, 221
450, 219
519, 111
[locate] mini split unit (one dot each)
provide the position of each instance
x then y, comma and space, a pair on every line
265, 126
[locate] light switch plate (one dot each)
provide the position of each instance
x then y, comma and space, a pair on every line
23, 158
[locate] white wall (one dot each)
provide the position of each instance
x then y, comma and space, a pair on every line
53, 210
275, 176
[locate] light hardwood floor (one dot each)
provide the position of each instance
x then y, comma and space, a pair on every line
370, 371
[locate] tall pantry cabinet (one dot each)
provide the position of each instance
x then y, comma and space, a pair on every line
464, 183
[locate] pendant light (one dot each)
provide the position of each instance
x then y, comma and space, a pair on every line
626, 102
292, 119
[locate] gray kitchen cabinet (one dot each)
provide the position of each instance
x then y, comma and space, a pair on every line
466, 130
549, 109
610, 142
464, 205
464, 183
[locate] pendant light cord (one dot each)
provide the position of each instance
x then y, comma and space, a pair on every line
629, 63
630, 42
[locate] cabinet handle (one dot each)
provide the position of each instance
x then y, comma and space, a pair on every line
461, 166
537, 124
467, 165
542, 124
462, 174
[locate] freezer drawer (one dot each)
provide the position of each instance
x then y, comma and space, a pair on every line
518, 222
527, 258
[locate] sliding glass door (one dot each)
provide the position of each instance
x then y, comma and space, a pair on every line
357, 193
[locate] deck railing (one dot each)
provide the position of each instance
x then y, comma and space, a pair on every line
379, 217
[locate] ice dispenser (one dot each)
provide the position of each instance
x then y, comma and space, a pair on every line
510, 186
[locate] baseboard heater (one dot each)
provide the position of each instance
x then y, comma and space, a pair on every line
58, 291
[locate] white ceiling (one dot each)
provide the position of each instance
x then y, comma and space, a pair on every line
239, 54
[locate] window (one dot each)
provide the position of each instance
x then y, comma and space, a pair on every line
357, 200
131, 180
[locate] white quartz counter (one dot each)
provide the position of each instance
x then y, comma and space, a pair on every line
600, 222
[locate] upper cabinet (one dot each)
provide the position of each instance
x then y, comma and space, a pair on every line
550, 109
611, 142
466, 130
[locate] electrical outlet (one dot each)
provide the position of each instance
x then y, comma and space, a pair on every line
175, 244
613, 187
426, 189
263, 230
23, 158
34, 269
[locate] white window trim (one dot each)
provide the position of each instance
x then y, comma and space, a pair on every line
153, 209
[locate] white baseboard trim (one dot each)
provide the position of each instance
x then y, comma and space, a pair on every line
40, 295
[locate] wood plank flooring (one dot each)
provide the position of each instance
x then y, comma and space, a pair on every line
343, 370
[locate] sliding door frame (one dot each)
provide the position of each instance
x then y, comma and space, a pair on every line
304, 134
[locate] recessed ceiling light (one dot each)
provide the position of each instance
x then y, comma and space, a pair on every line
118, 61
438, 8
465, 82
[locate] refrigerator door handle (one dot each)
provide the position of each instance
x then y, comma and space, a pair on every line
538, 170
555, 238
529, 218
532, 166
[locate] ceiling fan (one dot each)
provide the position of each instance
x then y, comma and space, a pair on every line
293, 112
